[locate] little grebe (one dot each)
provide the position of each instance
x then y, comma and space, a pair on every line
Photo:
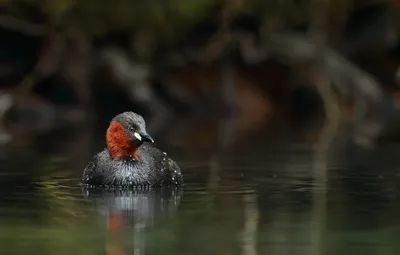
128, 161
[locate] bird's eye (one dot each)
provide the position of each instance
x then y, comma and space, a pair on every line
131, 128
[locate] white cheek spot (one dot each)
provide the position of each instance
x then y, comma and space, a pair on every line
137, 136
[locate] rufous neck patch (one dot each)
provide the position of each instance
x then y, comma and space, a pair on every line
118, 143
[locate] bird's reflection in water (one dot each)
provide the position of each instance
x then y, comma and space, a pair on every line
132, 209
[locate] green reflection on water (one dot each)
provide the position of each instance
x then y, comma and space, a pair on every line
258, 205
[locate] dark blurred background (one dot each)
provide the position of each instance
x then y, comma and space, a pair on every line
181, 63
283, 115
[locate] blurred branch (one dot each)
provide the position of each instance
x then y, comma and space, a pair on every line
6, 102
22, 26
346, 79
296, 48
340, 9
320, 33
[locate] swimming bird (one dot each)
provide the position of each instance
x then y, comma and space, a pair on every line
130, 159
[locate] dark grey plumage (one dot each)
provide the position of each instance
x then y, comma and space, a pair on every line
152, 168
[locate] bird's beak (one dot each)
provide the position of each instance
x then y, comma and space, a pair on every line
143, 137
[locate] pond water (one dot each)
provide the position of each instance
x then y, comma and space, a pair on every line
275, 197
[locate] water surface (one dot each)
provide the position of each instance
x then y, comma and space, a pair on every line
256, 198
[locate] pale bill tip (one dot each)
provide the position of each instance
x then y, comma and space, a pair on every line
138, 136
